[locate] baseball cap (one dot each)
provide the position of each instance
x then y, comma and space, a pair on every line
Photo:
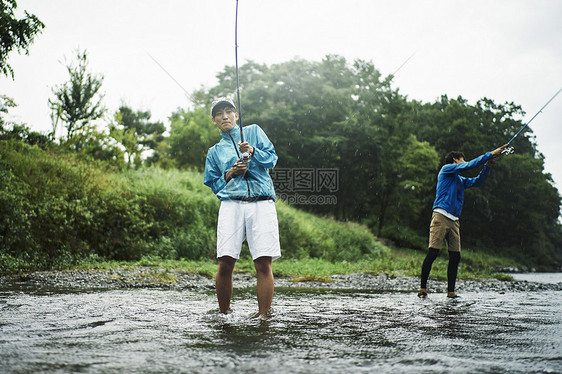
220, 103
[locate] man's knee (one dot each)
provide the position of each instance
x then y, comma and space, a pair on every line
432, 253
226, 265
263, 264
454, 257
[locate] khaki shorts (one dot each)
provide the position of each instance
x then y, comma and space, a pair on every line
443, 228
255, 222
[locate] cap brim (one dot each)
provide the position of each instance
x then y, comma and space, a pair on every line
221, 105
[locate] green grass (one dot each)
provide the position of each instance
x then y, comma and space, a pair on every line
473, 265
59, 210
398, 262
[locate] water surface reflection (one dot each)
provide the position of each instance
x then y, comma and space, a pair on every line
311, 330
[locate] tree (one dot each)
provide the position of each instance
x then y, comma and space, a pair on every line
15, 33
191, 136
388, 151
78, 102
5, 104
408, 192
519, 208
137, 135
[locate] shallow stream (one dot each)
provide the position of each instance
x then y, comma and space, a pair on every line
312, 330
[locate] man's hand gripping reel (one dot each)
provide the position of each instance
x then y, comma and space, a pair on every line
245, 158
508, 150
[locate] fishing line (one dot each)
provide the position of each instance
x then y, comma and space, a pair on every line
510, 149
404, 63
190, 96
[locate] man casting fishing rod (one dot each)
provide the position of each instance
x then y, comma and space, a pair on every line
448, 203
445, 223
247, 196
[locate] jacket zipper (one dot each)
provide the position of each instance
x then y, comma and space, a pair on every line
238, 154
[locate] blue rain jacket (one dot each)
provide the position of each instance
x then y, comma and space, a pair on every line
451, 186
221, 157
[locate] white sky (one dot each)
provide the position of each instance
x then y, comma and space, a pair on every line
506, 50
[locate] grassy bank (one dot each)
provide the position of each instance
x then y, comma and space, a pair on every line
397, 262
59, 211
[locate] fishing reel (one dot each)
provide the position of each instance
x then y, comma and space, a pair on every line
508, 150
245, 158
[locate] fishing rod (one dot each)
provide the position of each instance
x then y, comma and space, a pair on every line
237, 80
510, 148
246, 155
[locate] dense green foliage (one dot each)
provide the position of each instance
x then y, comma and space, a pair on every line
57, 208
15, 34
131, 190
134, 131
191, 135
388, 150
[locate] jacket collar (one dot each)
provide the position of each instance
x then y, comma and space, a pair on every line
234, 133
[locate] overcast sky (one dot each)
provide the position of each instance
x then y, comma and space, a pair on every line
506, 50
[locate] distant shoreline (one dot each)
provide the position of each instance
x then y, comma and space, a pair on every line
177, 279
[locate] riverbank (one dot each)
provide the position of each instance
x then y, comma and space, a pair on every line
179, 279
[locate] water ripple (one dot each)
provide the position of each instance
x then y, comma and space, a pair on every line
311, 330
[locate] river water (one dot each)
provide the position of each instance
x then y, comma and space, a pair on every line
311, 330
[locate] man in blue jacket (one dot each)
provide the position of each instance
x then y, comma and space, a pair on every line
447, 208
247, 210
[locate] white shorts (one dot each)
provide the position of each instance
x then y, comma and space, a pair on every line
254, 221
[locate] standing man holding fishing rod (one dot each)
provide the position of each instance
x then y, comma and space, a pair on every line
447, 208
237, 171
448, 205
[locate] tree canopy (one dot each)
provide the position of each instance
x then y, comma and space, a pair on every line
386, 150
78, 101
15, 34
351, 146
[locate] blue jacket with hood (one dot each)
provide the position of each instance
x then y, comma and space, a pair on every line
221, 157
451, 186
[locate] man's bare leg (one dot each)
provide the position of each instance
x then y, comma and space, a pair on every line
265, 283
223, 282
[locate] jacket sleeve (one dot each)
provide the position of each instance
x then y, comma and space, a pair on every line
264, 152
463, 166
478, 180
213, 176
